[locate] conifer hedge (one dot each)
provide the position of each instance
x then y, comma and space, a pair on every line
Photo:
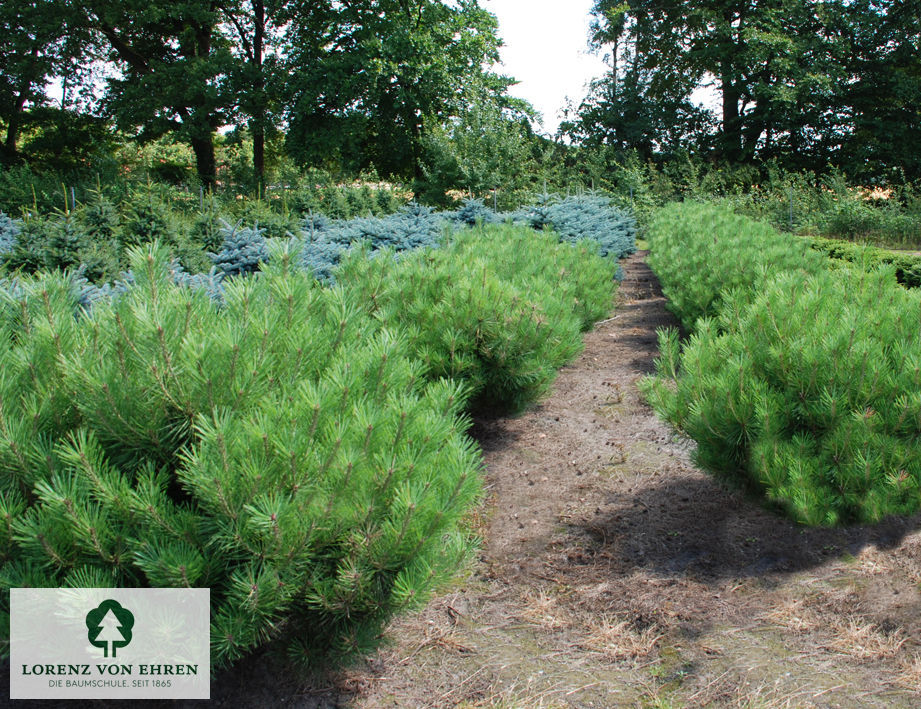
803, 385
281, 448
499, 307
701, 252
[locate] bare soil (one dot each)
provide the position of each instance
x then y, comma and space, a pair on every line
614, 573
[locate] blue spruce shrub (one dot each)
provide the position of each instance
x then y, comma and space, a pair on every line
414, 226
472, 212
242, 250
592, 217
211, 282
9, 230
320, 257
537, 215
315, 224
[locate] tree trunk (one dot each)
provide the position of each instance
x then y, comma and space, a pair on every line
259, 90
205, 162
731, 138
12, 128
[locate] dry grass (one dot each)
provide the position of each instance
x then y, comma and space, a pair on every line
873, 562
543, 610
796, 615
910, 675
863, 640
618, 639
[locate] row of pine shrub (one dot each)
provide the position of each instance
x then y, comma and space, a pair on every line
499, 307
701, 253
96, 236
907, 265
799, 382
297, 447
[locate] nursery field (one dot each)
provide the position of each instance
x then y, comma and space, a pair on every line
479, 460
613, 572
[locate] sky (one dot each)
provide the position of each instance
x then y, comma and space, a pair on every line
546, 49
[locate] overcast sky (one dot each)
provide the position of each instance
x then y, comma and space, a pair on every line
546, 49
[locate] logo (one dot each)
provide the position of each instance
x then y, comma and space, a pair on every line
109, 643
109, 626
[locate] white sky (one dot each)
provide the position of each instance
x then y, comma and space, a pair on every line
546, 49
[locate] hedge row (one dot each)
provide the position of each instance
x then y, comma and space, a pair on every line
907, 266
95, 237
498, 307
801, 384
701, 253
295, 448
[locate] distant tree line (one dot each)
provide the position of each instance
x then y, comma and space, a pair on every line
805, 82
354, 83
408, 87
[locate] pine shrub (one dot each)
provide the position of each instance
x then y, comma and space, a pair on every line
145, 220
499, 308
701, 252
282, 450
807, 394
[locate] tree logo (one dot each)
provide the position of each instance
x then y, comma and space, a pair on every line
109, 626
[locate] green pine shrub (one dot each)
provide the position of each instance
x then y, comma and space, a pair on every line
701, 252
145, 220
807, 393
281, 448
499, 307
907, 266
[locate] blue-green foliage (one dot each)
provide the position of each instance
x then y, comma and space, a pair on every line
587, 216
413, 227
244, 248
211, 282
9, 230
473, 212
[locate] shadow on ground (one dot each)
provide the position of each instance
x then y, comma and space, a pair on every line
692, 526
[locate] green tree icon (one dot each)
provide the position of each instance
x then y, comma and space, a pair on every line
109, 626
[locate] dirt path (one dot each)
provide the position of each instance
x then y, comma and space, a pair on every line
613, 573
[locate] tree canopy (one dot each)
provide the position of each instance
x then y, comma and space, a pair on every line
810, 81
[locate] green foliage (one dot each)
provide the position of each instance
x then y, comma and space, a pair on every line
806, 83
61, 241
499, 307
368, 79
281, 449
799, 382
701, 252
486, 148
907, 266
805, 393
146, 220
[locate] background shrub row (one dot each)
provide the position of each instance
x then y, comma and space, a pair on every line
95, 238
800, 383
299, 449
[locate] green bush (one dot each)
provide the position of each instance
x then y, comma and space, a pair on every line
808, 394
63, 240
281, 449
499, 307
700, 252
907, 266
